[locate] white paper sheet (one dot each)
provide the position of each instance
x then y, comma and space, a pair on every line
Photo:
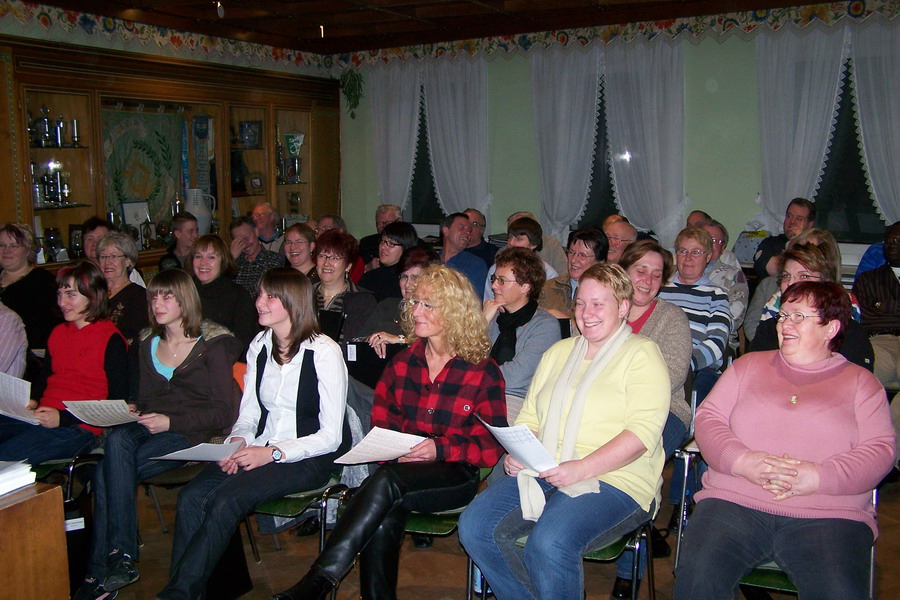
101, 413
202, 452
15, 394
378, 445
523, 445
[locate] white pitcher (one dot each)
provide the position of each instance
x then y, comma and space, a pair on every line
201, 205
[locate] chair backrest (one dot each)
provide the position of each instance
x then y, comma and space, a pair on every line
239, 370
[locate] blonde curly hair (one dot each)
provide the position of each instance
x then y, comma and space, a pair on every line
458, 308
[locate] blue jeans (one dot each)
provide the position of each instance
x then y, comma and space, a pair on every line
673, 436
827, 559
212, 506
126, 462
36, 443
550, 566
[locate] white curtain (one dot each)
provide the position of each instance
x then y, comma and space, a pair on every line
876, 67
644, 92
798, 78
565, 83
394, 89
456, 110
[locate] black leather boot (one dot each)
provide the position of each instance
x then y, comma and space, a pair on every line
316, 585
379, 560
365, 513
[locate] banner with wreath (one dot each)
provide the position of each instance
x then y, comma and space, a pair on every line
141, 155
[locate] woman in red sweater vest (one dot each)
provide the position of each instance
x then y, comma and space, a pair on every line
86, 360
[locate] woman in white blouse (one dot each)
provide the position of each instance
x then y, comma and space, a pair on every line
290, 429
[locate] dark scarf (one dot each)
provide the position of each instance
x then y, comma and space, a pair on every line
504, 349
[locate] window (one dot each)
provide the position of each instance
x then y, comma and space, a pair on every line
601, 201
423, 206
844, 203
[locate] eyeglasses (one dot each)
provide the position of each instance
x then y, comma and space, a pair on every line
477, 224
796, 318
580, 255
618, 240
12, 247
295, 242
502, 280
330, 257
694, 252
718, 241
389, 243
427, 306
787, 277
103, 257
405, 276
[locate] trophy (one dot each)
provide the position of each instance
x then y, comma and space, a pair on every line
59, 132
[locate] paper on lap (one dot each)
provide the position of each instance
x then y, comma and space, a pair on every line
101, 413
379, 445
15, 394
523, 445
202, 452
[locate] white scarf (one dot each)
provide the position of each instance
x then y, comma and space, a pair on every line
531, 496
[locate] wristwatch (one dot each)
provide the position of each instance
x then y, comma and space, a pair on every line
277, 455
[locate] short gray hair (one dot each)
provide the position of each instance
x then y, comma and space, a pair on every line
123, 242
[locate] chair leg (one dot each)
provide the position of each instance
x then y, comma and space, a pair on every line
469, 568
253, 546
651, 578
151, 491
275, 541
687, 459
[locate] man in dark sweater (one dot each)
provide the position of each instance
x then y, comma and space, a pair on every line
799, 216
252, 259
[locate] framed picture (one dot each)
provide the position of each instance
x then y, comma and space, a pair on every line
134, 213
249, 132
256, 183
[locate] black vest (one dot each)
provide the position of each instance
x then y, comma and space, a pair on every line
307, 411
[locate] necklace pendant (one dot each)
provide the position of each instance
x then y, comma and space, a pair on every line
794, 399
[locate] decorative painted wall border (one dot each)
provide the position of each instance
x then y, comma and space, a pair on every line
27, 19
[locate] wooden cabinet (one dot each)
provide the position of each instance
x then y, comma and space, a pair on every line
232, 129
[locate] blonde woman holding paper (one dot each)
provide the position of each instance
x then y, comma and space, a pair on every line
598, 403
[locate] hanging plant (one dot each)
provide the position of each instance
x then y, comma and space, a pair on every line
352, 87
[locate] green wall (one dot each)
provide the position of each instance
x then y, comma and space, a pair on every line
722, 171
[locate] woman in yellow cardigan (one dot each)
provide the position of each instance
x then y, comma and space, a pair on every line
598, 403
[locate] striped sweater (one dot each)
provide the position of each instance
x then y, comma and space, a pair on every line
706, 307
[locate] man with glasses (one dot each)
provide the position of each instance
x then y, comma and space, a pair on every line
731, 279
265, 217
477, 244
799, 216
585, 247
252, 259
620, 233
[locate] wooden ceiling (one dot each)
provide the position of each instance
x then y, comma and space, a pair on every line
337, 26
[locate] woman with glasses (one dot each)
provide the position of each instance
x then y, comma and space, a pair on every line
117, 255
519, 331
433, 389
586, 247
335, 292
384, 281
795, 439
86, 360
300, 248
29, 291
802, 263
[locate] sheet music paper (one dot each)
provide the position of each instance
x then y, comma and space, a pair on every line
202, 452
523, 446
101, 413
15, 394
379, 445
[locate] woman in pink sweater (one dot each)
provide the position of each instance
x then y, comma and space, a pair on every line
795, 439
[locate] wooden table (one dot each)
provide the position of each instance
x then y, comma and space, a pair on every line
33, 561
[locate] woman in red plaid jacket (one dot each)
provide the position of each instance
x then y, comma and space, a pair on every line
433, 389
